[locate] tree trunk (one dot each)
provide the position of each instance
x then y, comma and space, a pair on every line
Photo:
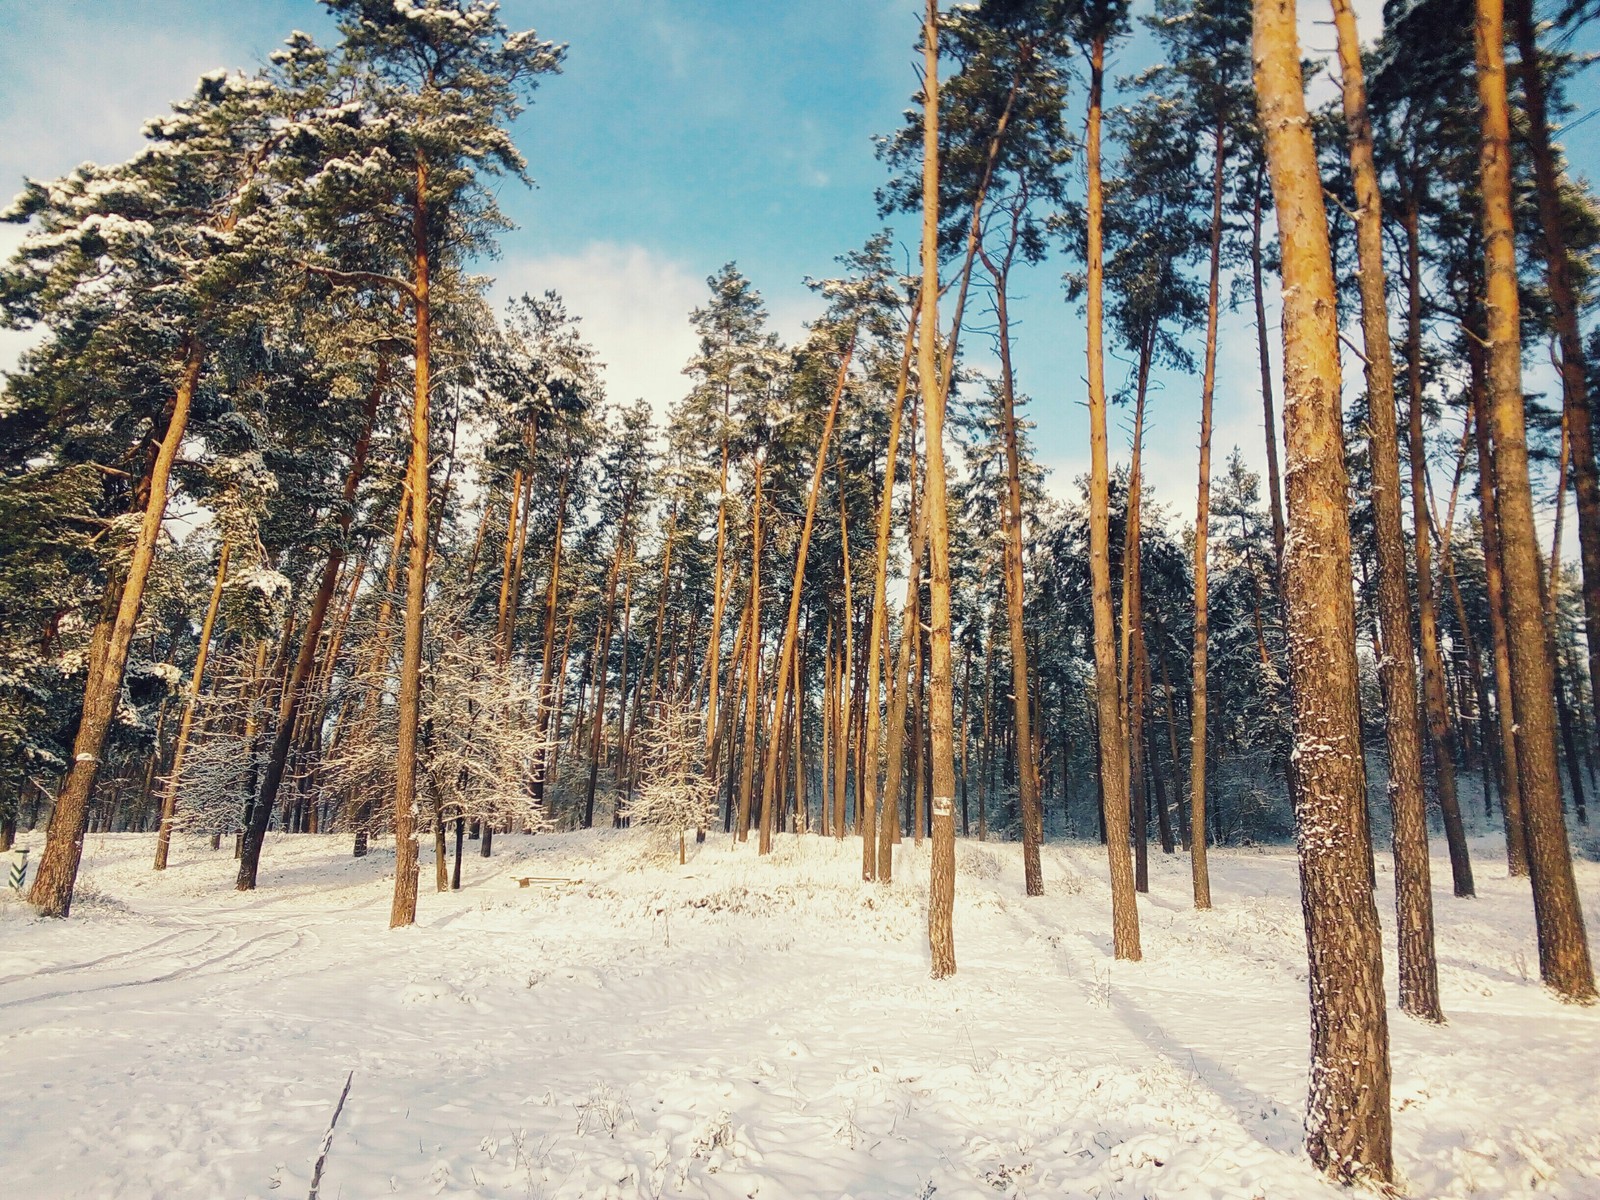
1564, 305
916, 817
1348, 1124
502, 639
752, 669
889, 823
404, 909
549, 688
169, 794
1563, 945
786, 656
1202, 521
1419, 971
829, 712
108, 660
1163, 814
1510, 784
942, 877
1132, 677
1274, 479
718, 593
1113, 753
1433, 693
846, 677
1027, 774
380, 657
603, 664
294, 685
879, 636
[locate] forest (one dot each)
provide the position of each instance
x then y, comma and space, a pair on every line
312, 551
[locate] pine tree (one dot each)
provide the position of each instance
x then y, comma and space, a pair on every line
1096, 25
438, 83
1563, 944
1419, 973
1348, 1123
179, 228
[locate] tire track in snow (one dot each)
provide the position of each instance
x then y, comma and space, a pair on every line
133, 952
192, 970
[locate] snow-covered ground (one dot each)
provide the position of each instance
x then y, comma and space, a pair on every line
742, 1027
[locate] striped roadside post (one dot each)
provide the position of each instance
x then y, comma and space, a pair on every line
19, 868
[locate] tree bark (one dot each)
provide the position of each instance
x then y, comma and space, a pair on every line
1113, 753
942, 875
1433, 689
1348, 1123
1510, 784
1563, 945
1564, 305
889, 823
1419, 971
772, 778
549, 688
1132, 677
52, 887
1274, 478
404, 909
752, 670
603, 664
380, 657
169, 794
846, 677
1027, 773
879, 636
294, 685
1202, 521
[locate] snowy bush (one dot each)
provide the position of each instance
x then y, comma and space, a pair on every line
480, 740
675, 792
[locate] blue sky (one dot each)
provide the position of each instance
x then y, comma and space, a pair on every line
683, 134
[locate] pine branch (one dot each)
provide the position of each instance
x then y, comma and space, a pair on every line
355, 277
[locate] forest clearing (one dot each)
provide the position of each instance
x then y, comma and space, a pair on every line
742, 1027
1085, 680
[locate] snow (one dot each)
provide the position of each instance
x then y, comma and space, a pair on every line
742, 1027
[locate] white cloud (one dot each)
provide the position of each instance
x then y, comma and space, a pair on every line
90, 96
635, 307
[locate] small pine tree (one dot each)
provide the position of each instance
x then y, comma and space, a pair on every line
676, 792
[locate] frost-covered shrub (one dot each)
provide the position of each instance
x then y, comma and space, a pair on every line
675, 793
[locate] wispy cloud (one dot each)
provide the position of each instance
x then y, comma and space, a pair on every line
635, 306
89, 97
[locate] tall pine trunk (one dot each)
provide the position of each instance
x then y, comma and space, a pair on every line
169, 794
1563, 945
1348, 1123
879, 636
1419, 972
404, 909
1027, 773
1510, 785
752, 668
1564, 305
549, 696
58, 866
942, 875
294, 687
1113, 752
772, 777
603, 666
1198, 707
1132, 677
1269, 417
